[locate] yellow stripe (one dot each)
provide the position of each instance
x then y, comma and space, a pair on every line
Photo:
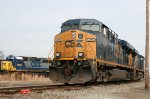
118, 65
70, 59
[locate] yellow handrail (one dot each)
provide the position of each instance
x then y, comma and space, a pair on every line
49, 59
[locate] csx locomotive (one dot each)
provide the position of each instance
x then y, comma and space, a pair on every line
86, 50
24, 64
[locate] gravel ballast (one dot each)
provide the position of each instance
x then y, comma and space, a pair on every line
133, 90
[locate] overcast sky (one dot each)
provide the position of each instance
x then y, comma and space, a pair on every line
27, 27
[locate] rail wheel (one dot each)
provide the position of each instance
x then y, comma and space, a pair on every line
105, 79
66, 84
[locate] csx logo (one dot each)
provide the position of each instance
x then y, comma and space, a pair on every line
35, 63
69, 43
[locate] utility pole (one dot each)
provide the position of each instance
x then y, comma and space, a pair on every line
147, 48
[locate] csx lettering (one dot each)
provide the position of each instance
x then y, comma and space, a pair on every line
69, 43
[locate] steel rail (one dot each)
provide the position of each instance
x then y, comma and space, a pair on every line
40, 88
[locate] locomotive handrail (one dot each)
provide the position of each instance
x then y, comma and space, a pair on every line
49, 59
93, 54
92, 51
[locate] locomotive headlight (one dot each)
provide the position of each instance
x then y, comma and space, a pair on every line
90, 39
80, 54
58, 54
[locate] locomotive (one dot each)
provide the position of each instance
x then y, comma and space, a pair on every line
23, 66
22, 63
86, 50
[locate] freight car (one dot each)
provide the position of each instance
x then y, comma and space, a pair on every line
86, 50
24, 65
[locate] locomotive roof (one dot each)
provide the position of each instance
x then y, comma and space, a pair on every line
126, 44
81, 21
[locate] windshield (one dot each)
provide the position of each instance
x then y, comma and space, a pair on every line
92, 27
69, 27
87, 27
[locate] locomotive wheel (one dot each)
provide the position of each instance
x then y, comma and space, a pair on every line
88, 83
66, 84
105, 79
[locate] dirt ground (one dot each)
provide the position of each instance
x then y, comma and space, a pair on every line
132, 90
41, 81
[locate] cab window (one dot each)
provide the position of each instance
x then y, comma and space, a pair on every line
69, 27
90, 27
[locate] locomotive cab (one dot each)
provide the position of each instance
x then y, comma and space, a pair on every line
17, 62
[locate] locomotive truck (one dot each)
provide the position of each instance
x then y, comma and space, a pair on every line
86, 50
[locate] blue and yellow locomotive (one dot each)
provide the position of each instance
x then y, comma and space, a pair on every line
87, 50
24, 64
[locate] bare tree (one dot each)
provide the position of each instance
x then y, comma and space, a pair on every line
1, 55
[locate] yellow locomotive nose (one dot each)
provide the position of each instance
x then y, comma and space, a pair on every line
69, 45
74, 44
72, 50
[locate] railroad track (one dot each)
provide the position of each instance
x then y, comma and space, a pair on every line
41, 88
38, 88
